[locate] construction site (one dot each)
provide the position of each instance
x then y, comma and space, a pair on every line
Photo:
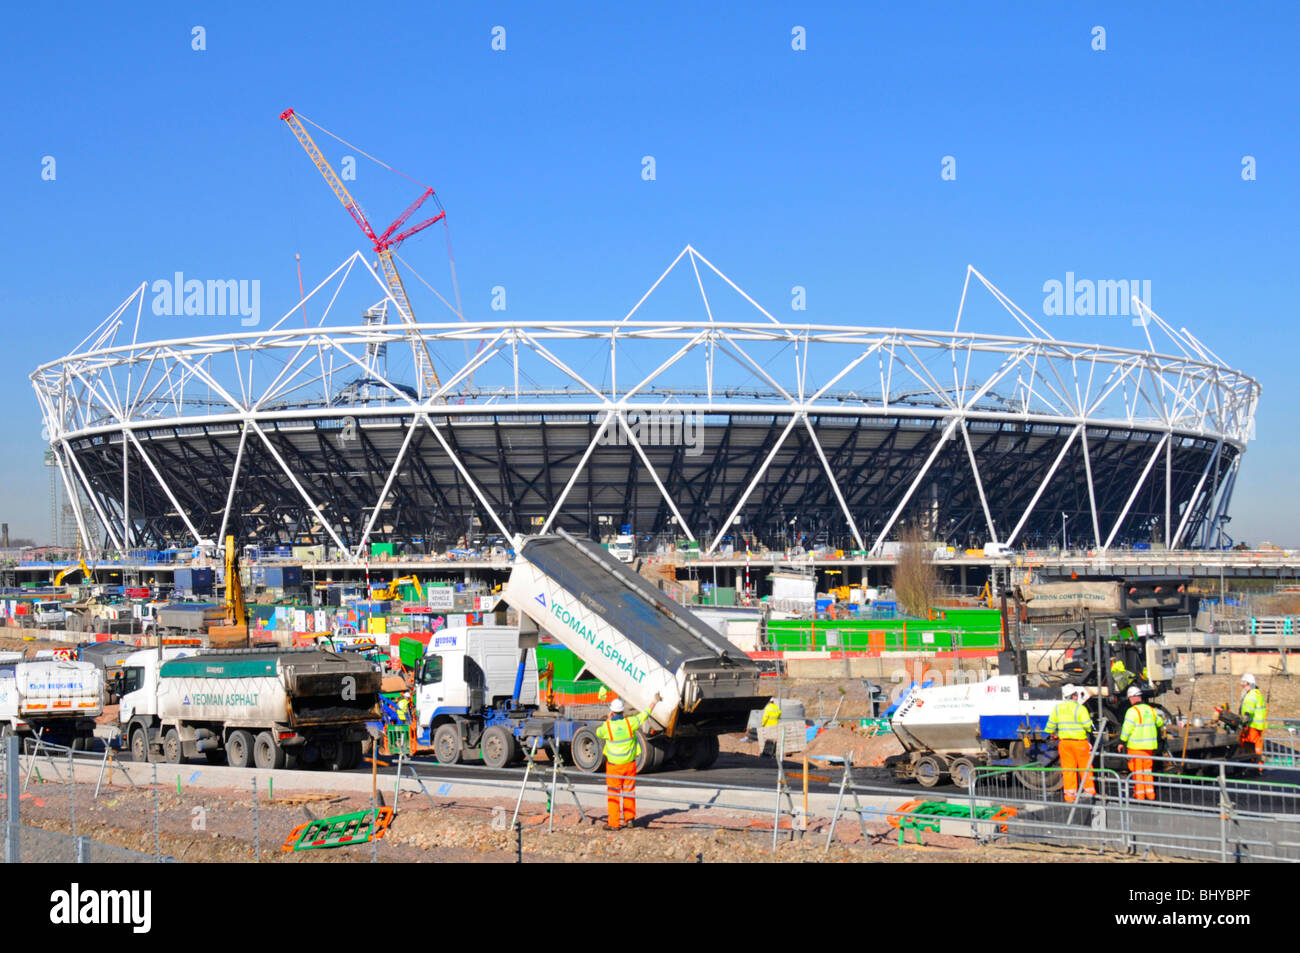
755, 591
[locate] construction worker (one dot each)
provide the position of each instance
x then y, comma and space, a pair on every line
1254, 714
621, 751
1141, 735
771, 712
1122, 677
1071, 723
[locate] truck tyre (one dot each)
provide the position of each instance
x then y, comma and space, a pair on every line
588, 750
266, 753
498, 748
350, 755
446, 744
961, 770
706, 753
239, 748
928, 770
172, 747
139, 745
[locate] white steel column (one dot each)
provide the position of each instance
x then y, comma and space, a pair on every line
90, 492
654, 476
794, 418
76, 504
474, 487
165, 488
1092, 493
1169, 484
299, 487
1043, 486
564, 495
1137, 488
388, 484
844, 507
1196, 494
234, 478
979, 483
929, 461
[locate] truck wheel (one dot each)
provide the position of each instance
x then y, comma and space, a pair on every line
498, 747
706, 753
239, 749
350, 755
961, 770
684, 752
139, 746
267, 755
928, 771
446, 744
172, 746
588, 750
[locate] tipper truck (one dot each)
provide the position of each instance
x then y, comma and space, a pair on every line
59, 700
250, 707
628, 634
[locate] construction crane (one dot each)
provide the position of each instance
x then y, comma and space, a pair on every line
384, 244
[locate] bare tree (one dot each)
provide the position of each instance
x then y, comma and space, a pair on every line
916, 581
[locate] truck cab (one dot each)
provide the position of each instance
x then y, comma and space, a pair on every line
470, 677
623, 548
138, 683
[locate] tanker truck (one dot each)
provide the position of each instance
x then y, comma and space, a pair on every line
60, 700
477, 693
249, 707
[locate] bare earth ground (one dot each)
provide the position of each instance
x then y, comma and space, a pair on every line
473, 830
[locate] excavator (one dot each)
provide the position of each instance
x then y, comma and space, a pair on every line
395, 587
86, 571
234, 632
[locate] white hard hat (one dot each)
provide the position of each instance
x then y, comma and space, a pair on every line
1134, 692
1068, 691
1248, 679
616, 706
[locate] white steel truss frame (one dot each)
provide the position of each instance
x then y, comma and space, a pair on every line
121, 389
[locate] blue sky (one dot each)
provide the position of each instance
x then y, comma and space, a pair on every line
818, 168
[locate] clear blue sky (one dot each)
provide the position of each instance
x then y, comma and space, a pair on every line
818, 168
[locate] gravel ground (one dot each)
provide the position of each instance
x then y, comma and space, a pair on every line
474, 830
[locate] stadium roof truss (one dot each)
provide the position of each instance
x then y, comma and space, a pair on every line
299, 432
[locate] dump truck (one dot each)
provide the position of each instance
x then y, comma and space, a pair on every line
249, 707
629, 635
59, 700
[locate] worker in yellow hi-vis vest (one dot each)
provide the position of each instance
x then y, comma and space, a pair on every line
1071, 723
621, 751
1141, 736
771, 712
1254, 714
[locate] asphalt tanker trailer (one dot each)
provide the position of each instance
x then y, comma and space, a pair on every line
250, 707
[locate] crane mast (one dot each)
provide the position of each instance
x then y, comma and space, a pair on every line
383, 246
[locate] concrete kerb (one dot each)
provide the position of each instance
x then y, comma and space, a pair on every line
877, 807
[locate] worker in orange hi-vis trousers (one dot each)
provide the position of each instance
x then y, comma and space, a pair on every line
1254, 714
621, 751
1141, 735
1071, 723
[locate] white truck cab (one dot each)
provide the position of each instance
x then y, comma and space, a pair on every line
139, 685
465, 670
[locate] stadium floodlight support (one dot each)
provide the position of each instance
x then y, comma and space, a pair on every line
116, 394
